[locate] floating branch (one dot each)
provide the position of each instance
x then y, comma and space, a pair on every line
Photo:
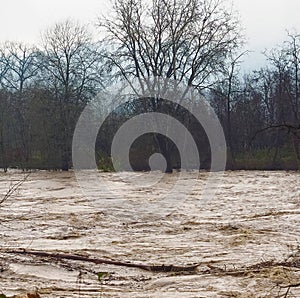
61, 256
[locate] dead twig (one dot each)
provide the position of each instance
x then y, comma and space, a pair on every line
289, 287
13, 188
291, 129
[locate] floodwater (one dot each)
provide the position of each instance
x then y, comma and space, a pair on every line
244, 238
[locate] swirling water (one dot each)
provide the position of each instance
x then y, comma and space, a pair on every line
253, 217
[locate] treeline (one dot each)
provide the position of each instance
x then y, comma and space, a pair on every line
44, 89
260, 112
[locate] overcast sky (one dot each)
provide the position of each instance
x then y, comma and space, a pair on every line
264, 21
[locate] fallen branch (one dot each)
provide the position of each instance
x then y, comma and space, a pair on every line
152, 268
292, 129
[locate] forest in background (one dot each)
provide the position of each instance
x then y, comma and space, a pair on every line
44, 89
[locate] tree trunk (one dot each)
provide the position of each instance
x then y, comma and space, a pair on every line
65, 159
276, 151
296, 142
169, 168
165, 147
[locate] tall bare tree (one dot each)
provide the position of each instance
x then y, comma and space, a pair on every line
3, 109
226, 94
71, 71
285, 61
22, 67
184, 40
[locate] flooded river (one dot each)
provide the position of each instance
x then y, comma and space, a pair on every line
246, 238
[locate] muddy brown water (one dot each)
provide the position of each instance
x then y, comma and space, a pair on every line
254, 217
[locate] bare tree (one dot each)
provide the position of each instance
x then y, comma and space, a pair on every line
286, 64
22, 65
294, 60
3, 65
187, 40
184, 40
3, 106
71, 72
21, 69
227, 92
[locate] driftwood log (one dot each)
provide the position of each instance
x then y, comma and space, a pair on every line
64, 256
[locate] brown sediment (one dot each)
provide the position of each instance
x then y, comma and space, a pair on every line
246, 239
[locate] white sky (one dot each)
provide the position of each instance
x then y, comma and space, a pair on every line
264, 21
